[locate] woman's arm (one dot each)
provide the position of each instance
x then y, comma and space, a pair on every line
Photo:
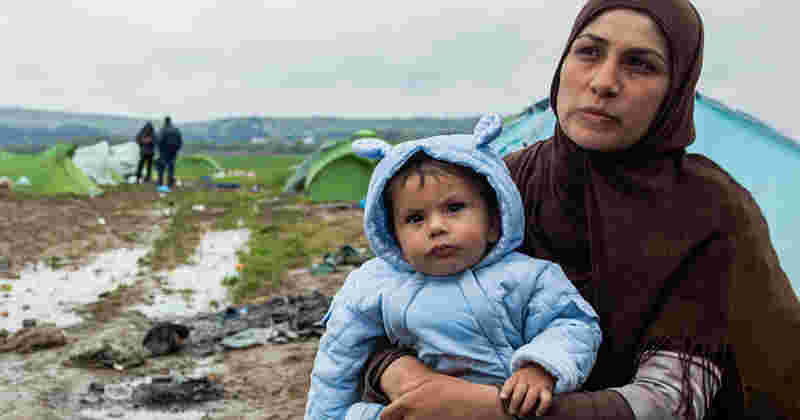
420, 393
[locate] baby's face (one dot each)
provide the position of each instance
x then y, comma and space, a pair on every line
443, 226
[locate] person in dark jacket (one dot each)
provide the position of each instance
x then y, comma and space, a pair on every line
170, 142
146, 141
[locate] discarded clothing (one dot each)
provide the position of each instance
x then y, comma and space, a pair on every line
108, 351
289, 317
177, 392
277, 334
29, 340
165, 338
346, 255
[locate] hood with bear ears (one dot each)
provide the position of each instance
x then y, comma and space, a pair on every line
473, 151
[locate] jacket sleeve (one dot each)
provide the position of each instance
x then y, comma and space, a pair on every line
353, 326
561, 329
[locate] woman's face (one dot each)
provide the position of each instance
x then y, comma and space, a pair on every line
613, 80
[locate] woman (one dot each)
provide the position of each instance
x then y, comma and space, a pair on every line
673, 254
146, 141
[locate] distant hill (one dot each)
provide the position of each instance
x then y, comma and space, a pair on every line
28, 126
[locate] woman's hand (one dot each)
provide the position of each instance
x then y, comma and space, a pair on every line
442, 397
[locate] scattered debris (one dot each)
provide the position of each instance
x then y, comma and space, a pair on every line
178, 391
283, 318
165, 338
108, 351
28, 340
199, 208
346, 255
118, 392
171, 393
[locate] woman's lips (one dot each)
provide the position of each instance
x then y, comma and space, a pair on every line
597, 116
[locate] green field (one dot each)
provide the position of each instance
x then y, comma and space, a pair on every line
271, 171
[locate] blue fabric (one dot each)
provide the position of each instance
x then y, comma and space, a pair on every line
481, 324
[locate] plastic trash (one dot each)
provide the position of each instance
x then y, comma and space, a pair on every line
23, 180
163, 189
118, 392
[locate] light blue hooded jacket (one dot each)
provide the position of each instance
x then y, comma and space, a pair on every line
481, 325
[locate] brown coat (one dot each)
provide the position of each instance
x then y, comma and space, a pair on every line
670, 250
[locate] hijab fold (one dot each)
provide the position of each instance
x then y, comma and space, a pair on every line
671, 251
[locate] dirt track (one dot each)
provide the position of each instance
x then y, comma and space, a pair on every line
265, 382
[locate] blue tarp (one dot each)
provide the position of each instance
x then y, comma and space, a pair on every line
761, 159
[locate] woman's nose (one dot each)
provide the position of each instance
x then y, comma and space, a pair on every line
605, 82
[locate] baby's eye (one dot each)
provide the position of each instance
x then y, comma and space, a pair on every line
455, 207
413, 218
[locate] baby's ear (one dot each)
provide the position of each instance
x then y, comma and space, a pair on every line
487, 129
375, 149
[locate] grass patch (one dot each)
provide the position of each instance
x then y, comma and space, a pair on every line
281, 238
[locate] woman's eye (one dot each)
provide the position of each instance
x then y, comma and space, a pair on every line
454, 207
641, 65
588, 51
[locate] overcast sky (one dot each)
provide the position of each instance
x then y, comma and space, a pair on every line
205, 59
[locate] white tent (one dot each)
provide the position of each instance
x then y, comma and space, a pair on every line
107, 165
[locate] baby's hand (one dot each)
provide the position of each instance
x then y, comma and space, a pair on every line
525, 388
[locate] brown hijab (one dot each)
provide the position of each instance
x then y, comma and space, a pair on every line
671, 251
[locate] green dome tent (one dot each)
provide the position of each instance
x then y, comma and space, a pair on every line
49, 172
339, 175
333, 172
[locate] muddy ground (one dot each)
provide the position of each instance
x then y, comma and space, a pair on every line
263, 382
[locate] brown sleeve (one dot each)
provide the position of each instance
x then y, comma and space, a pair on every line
598, 405
377, 363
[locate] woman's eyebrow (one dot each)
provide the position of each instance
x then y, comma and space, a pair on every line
635, 50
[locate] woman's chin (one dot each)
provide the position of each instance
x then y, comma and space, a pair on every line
596, 143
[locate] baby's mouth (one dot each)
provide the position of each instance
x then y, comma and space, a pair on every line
443, 251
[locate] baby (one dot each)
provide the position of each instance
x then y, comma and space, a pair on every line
444, 218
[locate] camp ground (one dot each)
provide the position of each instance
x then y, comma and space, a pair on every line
67, 168
761, 159
333, 172
50, 172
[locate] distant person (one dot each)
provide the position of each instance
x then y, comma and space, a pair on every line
169, 143
147, 149
444, 219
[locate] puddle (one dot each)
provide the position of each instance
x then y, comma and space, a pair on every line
39, 386
215, 258
49, 295
115, 413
